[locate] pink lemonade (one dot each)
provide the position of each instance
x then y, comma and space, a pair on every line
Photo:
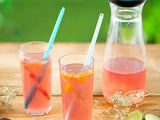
123, 75
41, 100
77, 89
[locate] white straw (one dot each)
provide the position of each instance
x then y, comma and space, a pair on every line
94, 38
87, 61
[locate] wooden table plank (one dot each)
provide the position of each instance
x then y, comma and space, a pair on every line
10, 66
10, 75
150, 105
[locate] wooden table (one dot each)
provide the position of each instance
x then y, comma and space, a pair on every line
10, 75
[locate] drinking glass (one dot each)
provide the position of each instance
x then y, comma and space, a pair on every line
36, 77
76, 86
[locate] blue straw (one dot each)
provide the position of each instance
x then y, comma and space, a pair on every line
54, 33
94, 38
43, 70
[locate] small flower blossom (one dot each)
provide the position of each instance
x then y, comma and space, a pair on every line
7, 96
123, 103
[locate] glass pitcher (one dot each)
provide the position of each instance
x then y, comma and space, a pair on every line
124, 70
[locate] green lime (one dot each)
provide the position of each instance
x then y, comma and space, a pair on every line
151, 117
134, 116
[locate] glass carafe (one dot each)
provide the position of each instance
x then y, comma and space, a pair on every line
124, 70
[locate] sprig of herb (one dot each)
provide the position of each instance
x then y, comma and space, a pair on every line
7, 96
125, 103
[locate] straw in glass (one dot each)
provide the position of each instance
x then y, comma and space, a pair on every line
46, 55
88, 57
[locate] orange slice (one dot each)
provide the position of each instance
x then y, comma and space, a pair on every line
81, 77
66, 76
68, 87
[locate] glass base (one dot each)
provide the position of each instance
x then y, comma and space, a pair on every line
38, 114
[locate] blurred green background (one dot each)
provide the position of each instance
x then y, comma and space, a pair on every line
33, 20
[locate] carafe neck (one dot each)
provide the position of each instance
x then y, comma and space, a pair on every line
126, 13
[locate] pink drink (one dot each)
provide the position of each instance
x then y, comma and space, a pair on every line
36, 77
77, 89
41, 101
123, 74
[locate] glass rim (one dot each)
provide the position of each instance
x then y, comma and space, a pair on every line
20, 46
59, 60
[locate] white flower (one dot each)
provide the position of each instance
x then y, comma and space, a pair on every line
7, 96
123, 103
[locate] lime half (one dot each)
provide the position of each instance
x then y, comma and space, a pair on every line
134, 116
151, 117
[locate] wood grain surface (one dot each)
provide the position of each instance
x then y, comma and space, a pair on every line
10, 75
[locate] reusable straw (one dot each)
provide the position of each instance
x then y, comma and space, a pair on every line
46, 55
94, 38
89, 54
54, 33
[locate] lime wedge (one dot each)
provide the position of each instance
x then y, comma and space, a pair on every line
134, 116
151, 117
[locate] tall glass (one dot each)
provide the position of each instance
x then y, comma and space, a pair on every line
76, 86
124, 70
36, 77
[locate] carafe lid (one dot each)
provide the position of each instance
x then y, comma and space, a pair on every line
127, 3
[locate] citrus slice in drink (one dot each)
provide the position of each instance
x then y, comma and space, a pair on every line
66, 76
68, 87
151, 117
134, 116
81, 77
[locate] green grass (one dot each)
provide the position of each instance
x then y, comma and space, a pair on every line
33, 20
